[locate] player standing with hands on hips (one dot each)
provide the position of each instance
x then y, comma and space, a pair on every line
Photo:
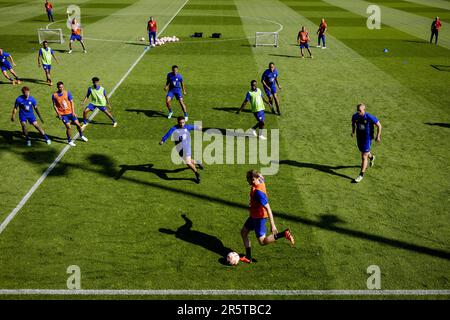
363, 124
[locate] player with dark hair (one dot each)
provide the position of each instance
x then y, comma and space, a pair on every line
260, 210
26, 103
7, 65
435, 26
99, 99
303, 41
269, 79
152, 29
48, 9
182, 137
175, 88
363, 124
321, 33
45, 57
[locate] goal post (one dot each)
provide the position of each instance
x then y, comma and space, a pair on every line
266, 39
50, 35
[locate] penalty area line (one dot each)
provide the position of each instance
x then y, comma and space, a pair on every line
36, 185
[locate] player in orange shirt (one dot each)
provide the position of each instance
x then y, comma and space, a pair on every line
76, 35
48, 8
302, 41
65, 111
259, 212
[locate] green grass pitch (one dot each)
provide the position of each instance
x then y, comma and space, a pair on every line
103, 205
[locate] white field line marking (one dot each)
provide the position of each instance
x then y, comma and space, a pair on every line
226, 292
24, 200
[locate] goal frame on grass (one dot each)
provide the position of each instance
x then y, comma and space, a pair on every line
58, 32
260, 35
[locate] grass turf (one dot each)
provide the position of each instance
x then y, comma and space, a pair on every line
110, 221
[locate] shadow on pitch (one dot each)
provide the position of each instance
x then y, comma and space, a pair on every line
160, 173
199, 238
283, 55
16, 137
36, 81
319, 167
148, 113
439, 124
231, 110
106, 166
441, 67
229, 132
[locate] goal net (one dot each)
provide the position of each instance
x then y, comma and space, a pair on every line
266, 39
51, 35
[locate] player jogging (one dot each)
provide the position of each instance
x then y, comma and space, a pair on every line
269, 80
321, 33
256, 99
363, 123
26, 103
76, 35
99, 99
65, 111
152, 29
7, 65
45, 57
259, 212
435, 26
48, 8
302, 40
175, 88
182, 137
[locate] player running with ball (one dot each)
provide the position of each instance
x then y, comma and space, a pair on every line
259, 212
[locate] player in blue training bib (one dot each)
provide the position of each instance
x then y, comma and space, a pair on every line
269, 79
6, 64
363, 124
175, 88
26, 104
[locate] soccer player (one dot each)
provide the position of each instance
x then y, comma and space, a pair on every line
65, 111
99, 99
363, 124
321, 33
302, 40
26, 103
256, 99
45, 56
182, 137
6, 66
435, 26
76, 35
48, 8
259, 212
152, 29
174, 87
269, 80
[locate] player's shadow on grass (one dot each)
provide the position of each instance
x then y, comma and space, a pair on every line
439, 124
231, 110
284, 55
319, 167
441, 67
148, 113
228, 132
161, 173
36, 81
16, 137
199, 238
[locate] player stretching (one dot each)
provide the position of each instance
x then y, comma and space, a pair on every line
65, 111
175, 86
26, 103
45, 55
182, 139
321, 33
256, 99
152, 29
259, 212
270, 81
99, 99
302, 40
363, 123
76, 35
6, 66
48, 9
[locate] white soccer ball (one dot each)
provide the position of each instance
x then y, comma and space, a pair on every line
153, 45
233, 258
177, 39
142, 39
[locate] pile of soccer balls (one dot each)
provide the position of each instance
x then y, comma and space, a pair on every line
163, 40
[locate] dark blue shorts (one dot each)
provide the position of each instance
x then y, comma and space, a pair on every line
151, 35
175, 93
6, 67
257, 224
47, 67
304, 45
91, 107
260, 116
74, 37
364, 144
271, 91
29, 117
68, 118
